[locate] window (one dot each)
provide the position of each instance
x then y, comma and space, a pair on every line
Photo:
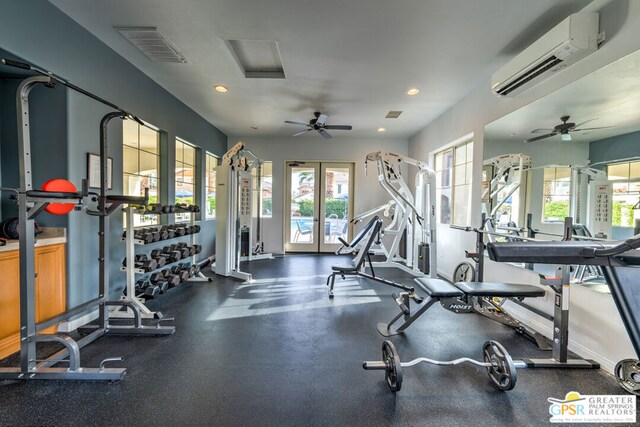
555, 194
626, 193
454, 167
267, 179
210, 190
265, 184
140, 165
185, 176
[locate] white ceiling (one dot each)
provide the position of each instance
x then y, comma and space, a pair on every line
351, 59
611, 94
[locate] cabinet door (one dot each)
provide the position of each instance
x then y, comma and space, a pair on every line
50, 282
9, 302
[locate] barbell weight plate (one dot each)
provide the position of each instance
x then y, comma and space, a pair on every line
627, 373
503, 372
393, 370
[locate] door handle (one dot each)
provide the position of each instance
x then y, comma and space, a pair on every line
315, 220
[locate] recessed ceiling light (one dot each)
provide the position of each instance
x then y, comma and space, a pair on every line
220, 88
413, 91
381, 130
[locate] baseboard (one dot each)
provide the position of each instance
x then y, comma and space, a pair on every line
72, 325
545, 328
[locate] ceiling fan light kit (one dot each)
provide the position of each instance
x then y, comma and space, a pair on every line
318, 123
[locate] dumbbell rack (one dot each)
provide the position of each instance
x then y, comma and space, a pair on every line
131, 271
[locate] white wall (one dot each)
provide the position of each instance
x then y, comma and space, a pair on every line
368, 193
594, 313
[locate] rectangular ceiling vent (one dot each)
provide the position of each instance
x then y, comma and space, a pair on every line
152, 44
257, 59
393, 114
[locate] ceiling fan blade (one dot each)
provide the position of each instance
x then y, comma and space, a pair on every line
324, 133
586, 121
538, 138
338, 127
541, 130
321, 119
301, 132
296, 123
601, 127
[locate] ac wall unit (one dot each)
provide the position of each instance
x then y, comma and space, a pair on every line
568, 42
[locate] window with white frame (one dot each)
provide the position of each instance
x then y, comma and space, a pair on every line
141, 165
210, 190
453, 167
625, 179
556, 193
266, 186
185, 176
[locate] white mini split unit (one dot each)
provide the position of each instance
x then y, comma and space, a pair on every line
568, 42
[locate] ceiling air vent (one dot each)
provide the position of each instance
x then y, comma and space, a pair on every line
152, 44
393, 114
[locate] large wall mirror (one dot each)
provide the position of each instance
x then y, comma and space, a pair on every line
581, 159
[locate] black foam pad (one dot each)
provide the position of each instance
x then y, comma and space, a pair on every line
438, 288
506, 290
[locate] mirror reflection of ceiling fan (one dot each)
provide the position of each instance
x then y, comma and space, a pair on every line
319, 125
564, 129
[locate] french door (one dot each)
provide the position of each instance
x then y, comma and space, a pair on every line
318, 205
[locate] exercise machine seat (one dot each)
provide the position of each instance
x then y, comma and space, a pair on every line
438, 288
506, 290
345, 268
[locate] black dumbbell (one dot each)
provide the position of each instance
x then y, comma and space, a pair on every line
171, 252
163, 286
194, 208
143, 263
140, 235
197, 248
156, 277
150, 292
153, 208
195, 229
188, 229
160, 258
192, 270
197, 267
181, 231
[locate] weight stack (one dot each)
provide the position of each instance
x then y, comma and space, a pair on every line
244, 241
423, 257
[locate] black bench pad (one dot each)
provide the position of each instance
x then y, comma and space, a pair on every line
344, 268
438, 288
507, 290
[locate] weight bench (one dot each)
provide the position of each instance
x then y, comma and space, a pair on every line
350, 247
357, 266
461, 297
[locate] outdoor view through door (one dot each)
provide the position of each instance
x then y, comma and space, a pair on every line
320, 201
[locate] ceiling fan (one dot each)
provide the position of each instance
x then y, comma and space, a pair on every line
564, 129
318, 124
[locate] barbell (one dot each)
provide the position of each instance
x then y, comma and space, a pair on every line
499, 364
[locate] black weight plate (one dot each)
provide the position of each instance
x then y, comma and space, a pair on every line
393, 370
503, 371
627, 373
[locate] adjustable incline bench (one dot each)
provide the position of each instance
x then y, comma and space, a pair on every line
357, 266
350, 247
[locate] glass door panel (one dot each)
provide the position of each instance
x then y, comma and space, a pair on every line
336, 204
301, 228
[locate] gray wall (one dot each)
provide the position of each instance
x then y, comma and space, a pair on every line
615, 148
40, 33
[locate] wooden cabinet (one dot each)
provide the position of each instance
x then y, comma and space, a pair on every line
50, 292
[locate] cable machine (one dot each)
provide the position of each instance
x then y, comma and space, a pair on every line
235, 241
